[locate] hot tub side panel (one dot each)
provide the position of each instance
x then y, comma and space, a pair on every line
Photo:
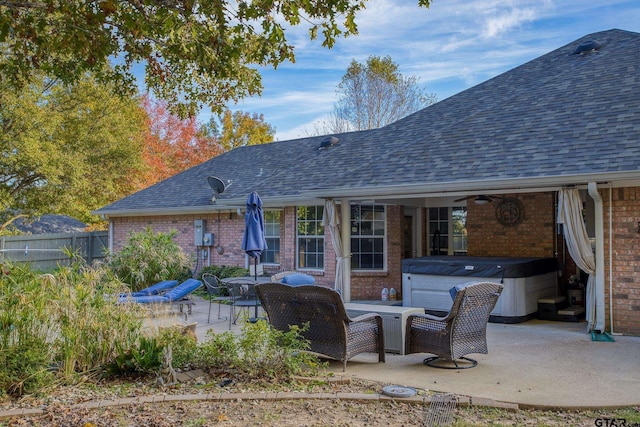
517, 303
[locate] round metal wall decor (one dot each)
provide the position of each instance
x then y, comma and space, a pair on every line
510, 212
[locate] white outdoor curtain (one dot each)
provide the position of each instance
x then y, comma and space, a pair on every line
331, 220
577, 240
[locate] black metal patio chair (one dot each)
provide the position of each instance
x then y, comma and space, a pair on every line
217, 292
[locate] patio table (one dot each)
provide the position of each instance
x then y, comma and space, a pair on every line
243, 294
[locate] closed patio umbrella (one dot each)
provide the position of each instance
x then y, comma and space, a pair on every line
253, 241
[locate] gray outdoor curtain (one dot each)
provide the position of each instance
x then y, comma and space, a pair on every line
577, 240
331, 220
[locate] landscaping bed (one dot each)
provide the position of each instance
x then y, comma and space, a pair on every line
186, 404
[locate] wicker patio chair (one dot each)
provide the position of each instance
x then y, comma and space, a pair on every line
462, 331
331, 332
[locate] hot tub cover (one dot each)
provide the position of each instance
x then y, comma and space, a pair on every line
499, 267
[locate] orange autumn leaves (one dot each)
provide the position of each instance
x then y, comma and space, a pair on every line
172, 145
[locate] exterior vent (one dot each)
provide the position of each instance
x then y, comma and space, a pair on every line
587, 47
326, 143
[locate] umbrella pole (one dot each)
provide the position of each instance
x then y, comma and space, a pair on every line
255, 268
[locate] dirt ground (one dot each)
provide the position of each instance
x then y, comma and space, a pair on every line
61, 409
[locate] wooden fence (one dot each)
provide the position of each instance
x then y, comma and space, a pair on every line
45, 251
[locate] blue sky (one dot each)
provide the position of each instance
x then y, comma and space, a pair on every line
453, 45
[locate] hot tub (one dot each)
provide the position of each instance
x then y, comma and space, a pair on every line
426, 282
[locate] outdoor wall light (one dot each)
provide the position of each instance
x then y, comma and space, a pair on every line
482, 200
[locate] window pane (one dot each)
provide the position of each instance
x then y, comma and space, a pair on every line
366, 228
378, 228
366, 261
310, 237
378, 261
366, 245
272, 235
367, 236
459, 230
448, 231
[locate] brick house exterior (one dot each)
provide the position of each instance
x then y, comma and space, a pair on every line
570, 118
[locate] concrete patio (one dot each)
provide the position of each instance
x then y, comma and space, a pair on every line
534, 364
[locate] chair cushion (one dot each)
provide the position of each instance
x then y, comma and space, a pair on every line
454, 291
297, 279
159, 287
145, 299
182, 290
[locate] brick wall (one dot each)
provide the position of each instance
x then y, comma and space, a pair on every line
288, 250
227, 228
533, 237
368, 286
363, 285
625, 258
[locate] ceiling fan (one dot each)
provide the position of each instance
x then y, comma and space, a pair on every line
481, 199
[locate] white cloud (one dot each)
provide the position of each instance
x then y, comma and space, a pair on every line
511, 19
451, 46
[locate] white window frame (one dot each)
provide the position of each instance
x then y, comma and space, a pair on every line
450, 250
269, 236
319, 237
355, 226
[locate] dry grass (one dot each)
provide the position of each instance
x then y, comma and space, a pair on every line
63, 408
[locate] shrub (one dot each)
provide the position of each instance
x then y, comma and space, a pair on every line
144, 357
25, 327
224, 271
89, 322
65, 323
273, 354
148, 258
260, 351
183, 347
24, 367
219, 352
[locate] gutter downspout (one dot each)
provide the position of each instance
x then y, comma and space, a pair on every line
599, 275
345, 232
110, 235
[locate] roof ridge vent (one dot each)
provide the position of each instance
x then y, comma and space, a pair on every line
587, 47
328, 142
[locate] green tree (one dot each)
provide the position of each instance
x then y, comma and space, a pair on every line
66, 149
239, 129
195, 51
373, 95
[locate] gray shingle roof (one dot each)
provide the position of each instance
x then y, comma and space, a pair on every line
559, 118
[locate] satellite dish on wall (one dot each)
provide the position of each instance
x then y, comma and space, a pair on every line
217, 185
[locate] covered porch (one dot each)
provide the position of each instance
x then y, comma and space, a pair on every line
527, 223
